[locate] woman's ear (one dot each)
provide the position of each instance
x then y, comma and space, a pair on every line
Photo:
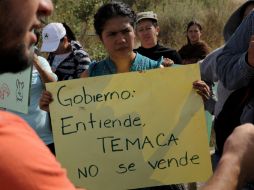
66, 42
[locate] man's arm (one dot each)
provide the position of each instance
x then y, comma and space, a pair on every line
208, 66
233, 69
236, 166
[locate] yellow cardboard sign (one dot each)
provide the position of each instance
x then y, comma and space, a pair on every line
131, 130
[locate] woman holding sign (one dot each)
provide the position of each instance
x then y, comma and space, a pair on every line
114, 24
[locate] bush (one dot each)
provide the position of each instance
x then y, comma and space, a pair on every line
173, 17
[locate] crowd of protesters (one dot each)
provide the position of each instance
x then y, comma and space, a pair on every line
117, 25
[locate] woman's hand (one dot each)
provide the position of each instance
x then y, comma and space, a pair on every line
167, 62
45, 100
202, 89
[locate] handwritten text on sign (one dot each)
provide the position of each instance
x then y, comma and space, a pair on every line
131, 130
15, 90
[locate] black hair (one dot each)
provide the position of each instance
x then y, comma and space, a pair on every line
111, 10
244, 8
70, 35
194, 22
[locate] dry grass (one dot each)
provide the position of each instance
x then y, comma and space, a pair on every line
175, 15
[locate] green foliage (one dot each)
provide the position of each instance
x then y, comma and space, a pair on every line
173, 17
94, 47
85, 9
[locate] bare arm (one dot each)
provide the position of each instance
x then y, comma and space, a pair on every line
45, 72
236, 165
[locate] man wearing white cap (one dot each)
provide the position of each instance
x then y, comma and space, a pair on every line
67, 57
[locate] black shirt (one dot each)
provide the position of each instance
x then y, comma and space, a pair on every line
157, 51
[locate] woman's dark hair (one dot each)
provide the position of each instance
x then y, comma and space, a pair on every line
243, 9
70, 35
194, 22
191, 23
111, 10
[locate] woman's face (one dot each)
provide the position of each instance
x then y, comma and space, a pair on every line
194, 34
118, 37
147, 33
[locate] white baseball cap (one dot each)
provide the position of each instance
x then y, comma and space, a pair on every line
51, 36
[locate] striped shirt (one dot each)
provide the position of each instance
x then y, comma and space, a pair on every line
73, 65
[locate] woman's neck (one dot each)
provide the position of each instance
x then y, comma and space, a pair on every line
194, 42
123, 64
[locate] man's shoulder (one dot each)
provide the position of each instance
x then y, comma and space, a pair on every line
24, 154
7, 118
12, 125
